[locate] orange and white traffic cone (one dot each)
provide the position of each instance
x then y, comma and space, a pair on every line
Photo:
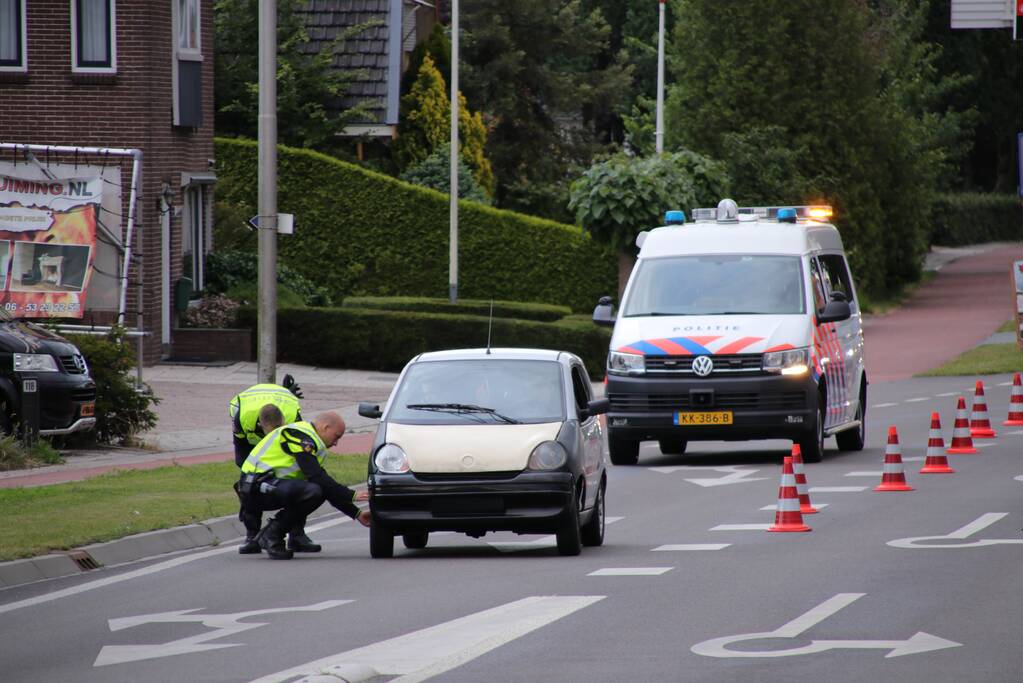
787, 516
936, 462
805, 506
1015, 403
894, 477
980, 425
962, 442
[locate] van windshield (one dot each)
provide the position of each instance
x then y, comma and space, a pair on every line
717, 285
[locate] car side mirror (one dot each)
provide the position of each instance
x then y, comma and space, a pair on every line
370, 410
597, 406
835, 311
604, 313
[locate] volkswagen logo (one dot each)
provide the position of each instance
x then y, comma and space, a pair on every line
80, 364
703, 366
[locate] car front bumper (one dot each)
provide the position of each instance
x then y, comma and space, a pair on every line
62, 398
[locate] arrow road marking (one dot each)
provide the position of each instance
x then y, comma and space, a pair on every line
735, 475
918, 643
223, 625
979, 524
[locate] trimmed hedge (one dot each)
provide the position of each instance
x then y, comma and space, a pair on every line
972, 218
363, 233
502, 309
387, 340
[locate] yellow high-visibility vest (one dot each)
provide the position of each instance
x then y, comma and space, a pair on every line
246, 406
269, 453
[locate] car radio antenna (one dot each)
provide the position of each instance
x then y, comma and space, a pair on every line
490, 325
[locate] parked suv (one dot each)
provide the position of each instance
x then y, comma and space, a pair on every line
67, 395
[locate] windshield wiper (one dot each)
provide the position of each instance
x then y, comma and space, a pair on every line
461, 408
652, 313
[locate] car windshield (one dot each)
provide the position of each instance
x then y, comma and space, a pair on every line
717, 285
489, 391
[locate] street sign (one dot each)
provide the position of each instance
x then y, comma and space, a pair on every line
969, 14
1017, 283
285, 223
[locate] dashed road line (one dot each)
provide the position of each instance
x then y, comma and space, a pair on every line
741, 527
837, 489
884, 405
918, 399
1018, 432
946, 394
774, 507
984, 445
678, 547
631, 571
864, 474
915, 458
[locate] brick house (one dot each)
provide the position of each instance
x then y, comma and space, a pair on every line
121, 74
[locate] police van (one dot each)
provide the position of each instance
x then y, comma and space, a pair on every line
743, 324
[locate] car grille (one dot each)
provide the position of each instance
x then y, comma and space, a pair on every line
725, 363
83, 395
788, 400
73, 365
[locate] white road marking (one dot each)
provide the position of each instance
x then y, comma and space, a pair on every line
223, 625
989, 444
690, 546
819, 506
884, 405
918, 643
1018, 432
145, 571
631, 571
837, 489
611, 520
1019, 478
979, 524
734, 475
918, 399
1005, 384
541, 543
741, 527
947, 393
422, 654
915, 458
864, 474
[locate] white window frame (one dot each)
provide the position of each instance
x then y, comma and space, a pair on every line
23, 31
198, 194
89, 69
189, 54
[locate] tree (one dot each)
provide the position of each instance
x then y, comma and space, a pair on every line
307, 85
434, 172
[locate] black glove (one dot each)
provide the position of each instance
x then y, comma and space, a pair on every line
291, 385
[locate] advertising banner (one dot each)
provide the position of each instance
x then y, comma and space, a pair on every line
47, 244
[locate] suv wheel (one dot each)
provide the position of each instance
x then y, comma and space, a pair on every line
853, 439
673, 447
623, 452
812, 443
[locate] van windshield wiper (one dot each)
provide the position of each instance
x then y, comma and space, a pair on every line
653, 313
461, 408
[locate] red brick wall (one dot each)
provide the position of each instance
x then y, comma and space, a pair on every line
199, 344
131, 109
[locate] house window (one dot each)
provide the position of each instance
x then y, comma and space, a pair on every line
196, 230
93, 43
188, 25
12, 36
186, 72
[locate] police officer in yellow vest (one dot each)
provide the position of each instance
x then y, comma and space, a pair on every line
285, 472
248, 430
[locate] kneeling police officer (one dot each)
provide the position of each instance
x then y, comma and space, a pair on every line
285, 472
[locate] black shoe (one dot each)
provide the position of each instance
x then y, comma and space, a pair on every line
300, 543
271, 539
249, 547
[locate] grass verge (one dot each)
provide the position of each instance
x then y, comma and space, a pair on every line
989, 359
1009, 326
63, 516
14, 455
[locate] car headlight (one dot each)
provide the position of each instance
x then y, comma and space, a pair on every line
390, 459
549, 455
626, 363
34, 362
791, 362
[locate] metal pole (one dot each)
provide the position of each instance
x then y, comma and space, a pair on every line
659, 134
266, 370
453, 212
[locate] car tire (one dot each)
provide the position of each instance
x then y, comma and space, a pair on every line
568, 533
416, 540
592, 533
674, 447
812, 443
854, 439
623, 452
381, 541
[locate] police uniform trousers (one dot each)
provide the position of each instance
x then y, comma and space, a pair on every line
295, 498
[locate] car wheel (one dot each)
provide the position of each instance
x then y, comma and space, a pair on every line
854, 439
674, 447
381, 541
812, 444
416, 540
593, 531
623, 452
568, 533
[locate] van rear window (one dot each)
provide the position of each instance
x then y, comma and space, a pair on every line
717, 285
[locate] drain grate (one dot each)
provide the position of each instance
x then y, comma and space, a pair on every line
84, 560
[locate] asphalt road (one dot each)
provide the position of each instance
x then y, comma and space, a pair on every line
841, 603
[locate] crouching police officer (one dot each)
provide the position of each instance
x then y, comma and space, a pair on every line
285, 472
249, 426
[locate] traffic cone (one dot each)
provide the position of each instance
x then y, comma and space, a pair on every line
980, 425
1015, 404
894, 477
787, 516
805, 506
936, 462
962, 442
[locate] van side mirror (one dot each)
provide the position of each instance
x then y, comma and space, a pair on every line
834, 312
369, 410
597, 406
604, 313
839, 296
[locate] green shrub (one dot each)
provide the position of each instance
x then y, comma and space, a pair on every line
387, 340
226, 270
121, 411
247, 294
14, 455
972, 218
360, 233
502, 309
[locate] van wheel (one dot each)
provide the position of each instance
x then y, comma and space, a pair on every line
812, 443
675, 447
623, 452
381, 541
416, 540
853, 439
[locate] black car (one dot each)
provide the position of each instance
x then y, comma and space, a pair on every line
34, 358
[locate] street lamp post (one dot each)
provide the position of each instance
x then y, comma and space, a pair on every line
659, 133
453, 211
266, 371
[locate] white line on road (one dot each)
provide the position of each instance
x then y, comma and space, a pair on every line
989, 444
819, 506
979, 524
864, 474
915, 458
947, 393
1005, 384
837, 489
678, 547
884, 405
918, 399
1018, 432
631, 571
1019, 478
741, 527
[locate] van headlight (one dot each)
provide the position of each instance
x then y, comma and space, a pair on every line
549, 455
390, 459
34, 362
625, 363
791, 362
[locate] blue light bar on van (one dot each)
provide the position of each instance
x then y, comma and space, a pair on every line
811, 212
675, 218
786, 215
